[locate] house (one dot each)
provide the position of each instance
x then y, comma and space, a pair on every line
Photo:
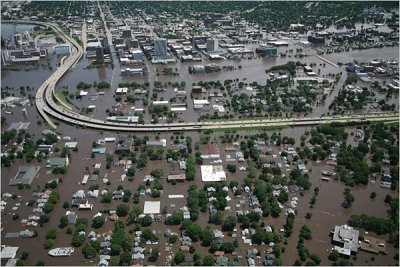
71, 217
219, 253
185, 248
160, 143
214, 151
221, 261
138, 256
26, 233
123, 145
105, 244
182, 165
268, 263
103, 262
176, 177
185, 241
57, 162
188, 259
186, 215
232, 263
113, 217
251, 262
79, 198
118, 195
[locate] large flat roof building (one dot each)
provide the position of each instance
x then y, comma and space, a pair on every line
8, 253
346, 237
25, 175
160, 47
151, 207
210, 173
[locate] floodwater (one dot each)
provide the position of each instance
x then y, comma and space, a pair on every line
326, 214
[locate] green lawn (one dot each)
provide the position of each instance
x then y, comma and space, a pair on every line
240, 129
63, 101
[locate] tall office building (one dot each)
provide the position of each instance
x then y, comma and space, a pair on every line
18, 39
99, 54
212, 45
160, 47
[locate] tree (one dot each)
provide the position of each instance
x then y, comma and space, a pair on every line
227, 247
40, 263
65, 152
208, 260
51, 234
24, 255
275, 209
194, 232
63, 221
283, 197
122, 210
179, 257
231, 168
174, 219
114, 261
334, 256
157, 173
208, 237
66, 205
229, 224
89, 251
98, 222
373, 195
316, 258
305, 232
48, 207
48, 243
106, 197
146, 221
217, 218
115, 249
154, 254
131, 172
172, 239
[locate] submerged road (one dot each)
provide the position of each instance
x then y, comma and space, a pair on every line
46, 106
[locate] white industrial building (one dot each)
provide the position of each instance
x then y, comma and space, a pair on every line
151, 207
210, 173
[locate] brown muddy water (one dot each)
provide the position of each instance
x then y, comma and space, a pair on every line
326, 214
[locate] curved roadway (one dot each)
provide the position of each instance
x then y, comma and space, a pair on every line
46, 105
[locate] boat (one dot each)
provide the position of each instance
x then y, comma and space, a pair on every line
61, 252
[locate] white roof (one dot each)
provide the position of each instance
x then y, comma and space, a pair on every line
210, 173
178, 108
200, 102
71, 144
151, 207
9, 252
164, 102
